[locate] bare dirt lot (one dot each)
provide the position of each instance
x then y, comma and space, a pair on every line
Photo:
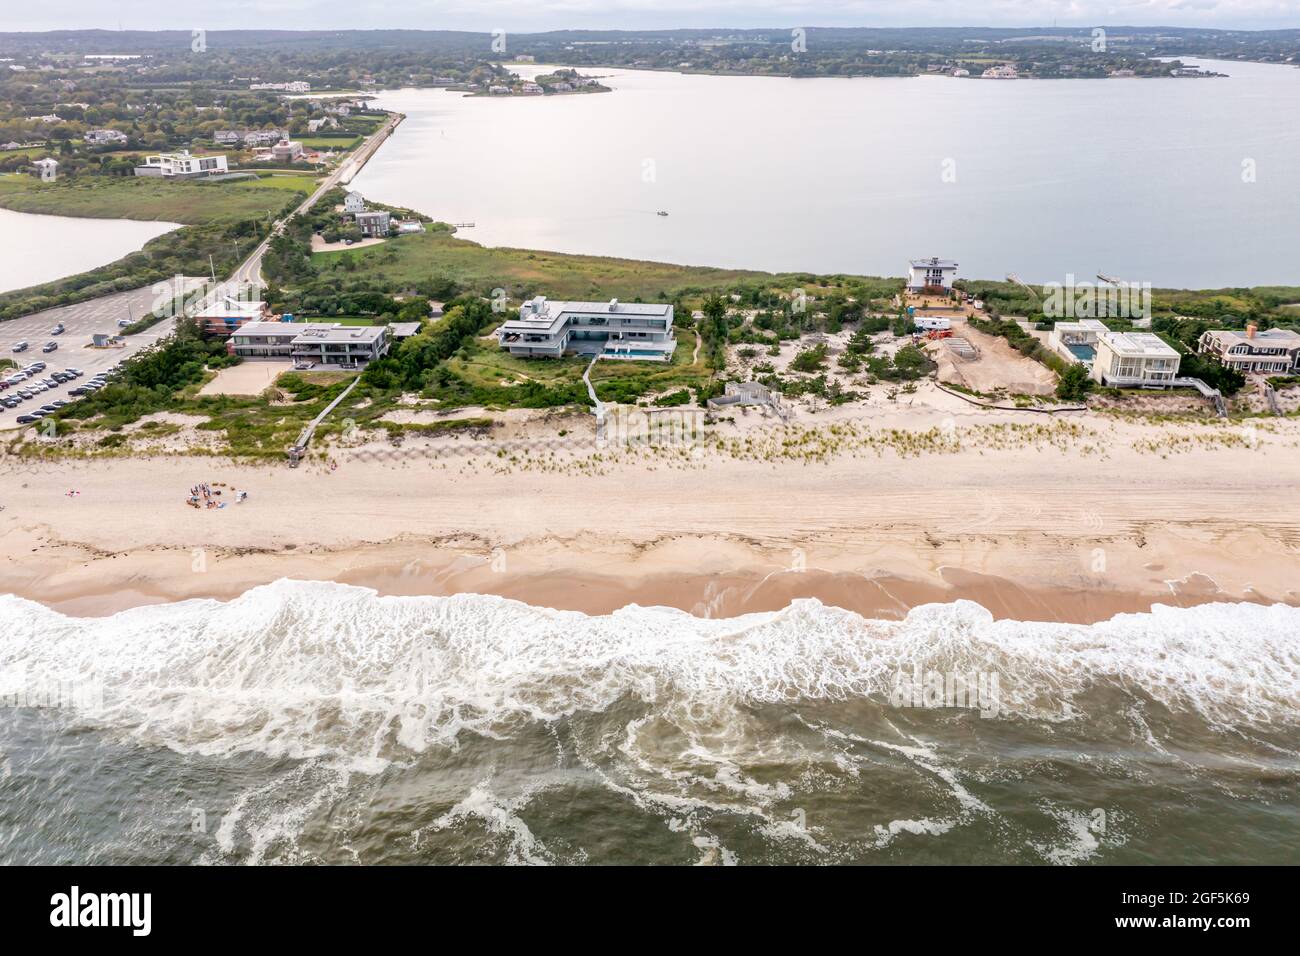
247, 378
998, 366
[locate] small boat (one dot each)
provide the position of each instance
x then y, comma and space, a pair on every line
661, 213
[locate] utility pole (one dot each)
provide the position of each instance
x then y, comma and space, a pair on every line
213, 269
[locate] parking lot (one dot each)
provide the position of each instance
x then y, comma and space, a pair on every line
81, 321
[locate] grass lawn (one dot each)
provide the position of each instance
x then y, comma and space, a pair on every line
129, 197
340, 319
486, 364
328, 142
296, 183
414, 258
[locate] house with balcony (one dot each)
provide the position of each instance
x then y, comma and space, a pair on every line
1270, 352
1128, 359
613, 329
319, 343
932, 273
182, 165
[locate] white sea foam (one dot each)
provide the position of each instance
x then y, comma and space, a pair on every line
316, 669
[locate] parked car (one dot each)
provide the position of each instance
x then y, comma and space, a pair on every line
35, 367
49, 346
73, 371
123, 323
26, 393
20, 347
58, 329
48, 409
27, 419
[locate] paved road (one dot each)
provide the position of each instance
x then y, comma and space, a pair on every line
102, 314
81, 321
250, 271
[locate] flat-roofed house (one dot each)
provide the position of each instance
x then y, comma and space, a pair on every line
181, 165
1134, 358
373, 223
1077, 341
287, 151
1272, 351
321, 343
613, 329
932, 273
334, 344
265, 339
228, 314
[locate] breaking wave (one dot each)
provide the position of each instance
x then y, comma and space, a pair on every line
323, 670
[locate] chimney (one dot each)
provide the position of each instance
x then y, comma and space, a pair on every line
1251, 329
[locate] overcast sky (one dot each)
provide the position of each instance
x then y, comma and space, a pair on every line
528, 15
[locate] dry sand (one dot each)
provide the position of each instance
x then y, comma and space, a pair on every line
876, 510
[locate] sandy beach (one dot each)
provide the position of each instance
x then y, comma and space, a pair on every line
874, 510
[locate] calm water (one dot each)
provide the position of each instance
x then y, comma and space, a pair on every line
316, 722
1137, 179
36, 249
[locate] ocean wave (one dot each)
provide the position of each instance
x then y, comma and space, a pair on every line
318, 669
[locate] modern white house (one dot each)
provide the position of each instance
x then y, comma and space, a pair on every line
182, 164
613, 329
1076, 341
1272, 351
287, 151
354, 202
930, 273
321, 343
1134, 358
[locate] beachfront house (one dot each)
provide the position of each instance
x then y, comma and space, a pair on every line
613, 329
373, 223
1134, 359
1076, 341
1270, 352
182, 165
320, 343
354, 202
46, 170
932, 273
